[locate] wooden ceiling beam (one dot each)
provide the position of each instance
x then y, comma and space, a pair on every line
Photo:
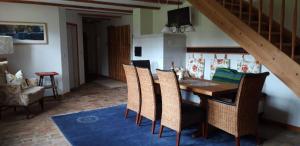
171, 2
94, 20
96, 12
99, 15
116, 4
66, 5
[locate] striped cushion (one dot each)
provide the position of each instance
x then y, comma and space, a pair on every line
227, 75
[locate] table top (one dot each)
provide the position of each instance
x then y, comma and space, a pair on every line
205, 87
46, 73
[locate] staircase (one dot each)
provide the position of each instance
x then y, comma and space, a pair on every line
259, 34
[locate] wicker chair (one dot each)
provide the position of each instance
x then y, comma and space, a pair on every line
134, 95
239, 118
175, 114
151, 106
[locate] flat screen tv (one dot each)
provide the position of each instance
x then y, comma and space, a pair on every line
179, 16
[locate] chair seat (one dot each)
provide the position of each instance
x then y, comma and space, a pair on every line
191, 115
31, 95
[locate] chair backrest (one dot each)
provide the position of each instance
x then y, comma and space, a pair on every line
171, 99
134, 98
148, 97
141, 63
227, 75
249, 93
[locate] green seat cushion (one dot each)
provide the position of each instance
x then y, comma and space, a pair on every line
227, 75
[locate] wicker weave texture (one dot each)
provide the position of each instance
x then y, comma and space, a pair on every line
171, 100
134, 98
239, 119
148, 108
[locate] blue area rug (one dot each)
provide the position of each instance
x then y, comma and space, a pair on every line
107, 127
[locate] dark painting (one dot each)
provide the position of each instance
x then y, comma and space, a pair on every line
24, 33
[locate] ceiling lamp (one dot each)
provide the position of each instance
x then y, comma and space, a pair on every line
166, 29
176, 26
189, 28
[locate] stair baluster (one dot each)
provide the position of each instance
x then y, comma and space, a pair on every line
260, 11
271, 6
241, 9
250, 11
282, 17
294, 29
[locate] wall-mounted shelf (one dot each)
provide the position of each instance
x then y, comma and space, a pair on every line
217, 50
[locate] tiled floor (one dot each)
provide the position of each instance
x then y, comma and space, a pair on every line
15, 129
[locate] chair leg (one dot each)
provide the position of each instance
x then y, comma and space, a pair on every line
0, 113
178, 138
42, 104
137, 118
160, 131
258, 142
27, 112
15, 108
153, 126
140, 120
237, 141
126, 113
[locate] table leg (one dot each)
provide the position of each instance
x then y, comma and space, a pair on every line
204, 126
41, 81
53, 86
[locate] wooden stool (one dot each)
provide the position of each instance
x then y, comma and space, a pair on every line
51, 75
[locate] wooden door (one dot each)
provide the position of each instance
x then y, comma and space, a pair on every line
118, 50
73, 55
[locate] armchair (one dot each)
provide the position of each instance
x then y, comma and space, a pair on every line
15, 96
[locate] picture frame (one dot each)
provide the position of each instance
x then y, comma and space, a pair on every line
25, 32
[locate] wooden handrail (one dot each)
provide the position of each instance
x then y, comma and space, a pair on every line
282, 17
260, 11
271, 6
250, 11
294, 29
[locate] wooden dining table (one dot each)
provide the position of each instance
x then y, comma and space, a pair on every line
204, 87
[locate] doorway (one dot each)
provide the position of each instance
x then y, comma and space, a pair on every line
91, 50
72, 34
118, 50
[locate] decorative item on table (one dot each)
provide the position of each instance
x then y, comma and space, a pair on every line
180, 71
196, 66
24, 32
248, 66
218, 63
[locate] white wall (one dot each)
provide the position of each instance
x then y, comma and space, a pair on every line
42, 57
206, 34
102, 44
73, 17
152, 49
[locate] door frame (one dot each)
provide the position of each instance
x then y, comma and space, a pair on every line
78, 70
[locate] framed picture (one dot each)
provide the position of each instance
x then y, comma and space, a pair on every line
25, 32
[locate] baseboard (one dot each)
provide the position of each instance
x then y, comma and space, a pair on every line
279, 124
